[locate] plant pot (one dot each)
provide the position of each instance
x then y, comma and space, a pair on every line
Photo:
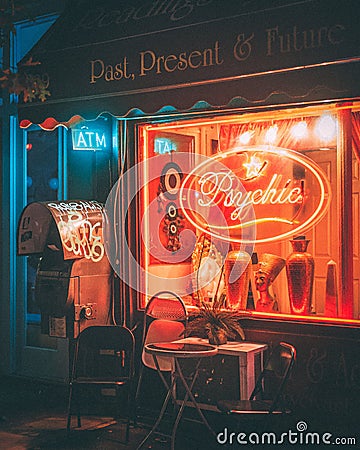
217, 338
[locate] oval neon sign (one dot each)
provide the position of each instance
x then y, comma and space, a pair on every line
262, 193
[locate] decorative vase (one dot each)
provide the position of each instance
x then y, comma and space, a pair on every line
300, 275
217, 337
331, 295
237, 276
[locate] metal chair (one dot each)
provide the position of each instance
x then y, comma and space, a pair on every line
267, 396
165, 319
103, 357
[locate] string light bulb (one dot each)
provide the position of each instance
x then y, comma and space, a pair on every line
299, 130
326, 127
246, 137
271, 134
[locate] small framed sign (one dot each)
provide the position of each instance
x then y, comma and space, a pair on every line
92, 135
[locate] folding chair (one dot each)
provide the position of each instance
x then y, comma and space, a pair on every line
267, 396
103, 357
165, 319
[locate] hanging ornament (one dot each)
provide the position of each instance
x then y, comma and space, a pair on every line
170, 180
173, 224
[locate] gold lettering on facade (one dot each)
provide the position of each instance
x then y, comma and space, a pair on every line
108, 72
278, 41
242, 48
150, 62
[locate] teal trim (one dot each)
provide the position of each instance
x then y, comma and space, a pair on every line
62, 163
13, 199
8, 219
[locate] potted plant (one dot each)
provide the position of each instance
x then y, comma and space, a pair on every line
218, 324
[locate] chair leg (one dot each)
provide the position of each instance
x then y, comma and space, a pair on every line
127, 430
137, 393
77, 403
78, 419
73, 398
128, 411
68, 425
175, 405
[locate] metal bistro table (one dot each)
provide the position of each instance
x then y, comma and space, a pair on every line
179, 351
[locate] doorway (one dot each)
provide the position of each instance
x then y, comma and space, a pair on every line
53, 171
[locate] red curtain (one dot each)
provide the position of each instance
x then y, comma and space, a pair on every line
356, 134
230, 134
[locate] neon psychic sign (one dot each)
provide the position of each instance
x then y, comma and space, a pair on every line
262, 194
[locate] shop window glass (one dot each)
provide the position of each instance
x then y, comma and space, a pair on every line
288, 165
90, 160
42, 182
356, 208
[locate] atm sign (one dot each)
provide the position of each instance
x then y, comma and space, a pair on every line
90, 139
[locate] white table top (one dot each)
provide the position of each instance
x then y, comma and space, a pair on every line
230, 348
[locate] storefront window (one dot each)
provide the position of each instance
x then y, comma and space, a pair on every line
265, 185
90, 160
42, 182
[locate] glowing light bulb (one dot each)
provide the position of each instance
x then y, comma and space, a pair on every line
299, 130
326, 127
270, 136
245, 137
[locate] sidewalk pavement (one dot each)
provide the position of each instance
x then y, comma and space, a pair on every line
33, 417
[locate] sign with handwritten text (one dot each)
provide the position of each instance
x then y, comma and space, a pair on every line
255, 194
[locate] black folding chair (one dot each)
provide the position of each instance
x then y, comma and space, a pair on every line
104, 357
267, 396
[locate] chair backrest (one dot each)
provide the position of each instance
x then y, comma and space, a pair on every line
162, 331
164, 320
166, 305
104, 352
273, 378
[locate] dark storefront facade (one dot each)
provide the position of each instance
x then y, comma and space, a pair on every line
271, 88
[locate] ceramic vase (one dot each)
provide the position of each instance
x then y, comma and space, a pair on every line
300, 276
237, 277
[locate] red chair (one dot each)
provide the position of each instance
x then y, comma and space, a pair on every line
165, 319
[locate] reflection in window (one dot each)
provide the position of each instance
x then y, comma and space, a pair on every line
312, 135
42, 185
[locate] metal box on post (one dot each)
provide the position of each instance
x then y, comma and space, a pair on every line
74, 279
